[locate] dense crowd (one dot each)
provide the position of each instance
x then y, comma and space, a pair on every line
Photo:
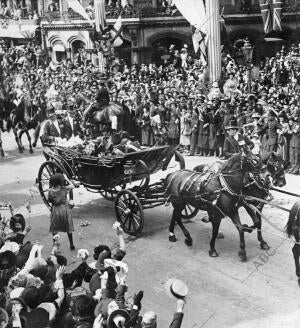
171, 102
39, 292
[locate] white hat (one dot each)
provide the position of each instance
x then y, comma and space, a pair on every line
10, 246
176, 288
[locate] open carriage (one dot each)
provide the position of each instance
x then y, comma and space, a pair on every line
124, 179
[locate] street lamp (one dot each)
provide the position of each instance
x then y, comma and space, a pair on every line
248, 55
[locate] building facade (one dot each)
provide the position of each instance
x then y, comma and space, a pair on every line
149, 27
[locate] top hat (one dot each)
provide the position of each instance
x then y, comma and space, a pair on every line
176, 288
232, 125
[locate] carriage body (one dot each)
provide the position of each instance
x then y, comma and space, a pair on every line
111, 176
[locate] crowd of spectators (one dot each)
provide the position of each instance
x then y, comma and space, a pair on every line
172, 102
39, 292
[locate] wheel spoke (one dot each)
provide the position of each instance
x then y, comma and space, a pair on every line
136, 221
129, 225
120, 208
185, 210
122, 202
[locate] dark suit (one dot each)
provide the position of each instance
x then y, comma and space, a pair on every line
50, 132
231, 145
295, 147
68, 131
272, 134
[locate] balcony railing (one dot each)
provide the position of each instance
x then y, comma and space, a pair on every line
231, 7
228, 7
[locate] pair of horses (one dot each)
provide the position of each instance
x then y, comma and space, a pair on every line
20, 118
222, 193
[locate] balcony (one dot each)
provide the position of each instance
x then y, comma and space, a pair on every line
251, 7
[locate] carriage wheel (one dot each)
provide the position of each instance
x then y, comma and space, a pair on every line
129, 212
46, 170
189, 212
110, 194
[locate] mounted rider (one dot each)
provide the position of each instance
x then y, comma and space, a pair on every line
93, 119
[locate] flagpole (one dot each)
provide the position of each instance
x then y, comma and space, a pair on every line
214, 39
100, 24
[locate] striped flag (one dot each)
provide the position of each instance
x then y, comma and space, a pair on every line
277, 15
199, 42
100, 20
116, 33
266, 14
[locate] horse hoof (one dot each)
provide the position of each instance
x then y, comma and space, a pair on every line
299, 282
20, 150
264, 246
243, 256
1, 154
213, 253
31, 151
172, 239
220, 235
188, 241
34, 145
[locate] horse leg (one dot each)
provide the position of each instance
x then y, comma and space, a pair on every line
215, 221
1, 149
296, 253
237, 222
36, 134
188, 239
257, 223
29, 141
172, 237
18, 141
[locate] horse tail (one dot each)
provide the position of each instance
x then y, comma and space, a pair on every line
294, 217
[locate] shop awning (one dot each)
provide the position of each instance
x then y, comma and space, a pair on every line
18, 31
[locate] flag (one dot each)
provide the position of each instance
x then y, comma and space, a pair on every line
199, 42
77, 7
100, 20
116, 32
194, 12
277, 15
266, 14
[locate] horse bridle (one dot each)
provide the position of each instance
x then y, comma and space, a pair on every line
275, 173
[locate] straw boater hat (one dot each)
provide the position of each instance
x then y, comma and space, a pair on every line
176, 288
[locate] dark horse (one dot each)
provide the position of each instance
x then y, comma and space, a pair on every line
219, 194
293, 229
21, 118
258, 185
6, 122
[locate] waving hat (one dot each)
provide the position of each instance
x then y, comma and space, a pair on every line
176, 288
117, 317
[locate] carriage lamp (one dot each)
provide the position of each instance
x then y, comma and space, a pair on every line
248, 55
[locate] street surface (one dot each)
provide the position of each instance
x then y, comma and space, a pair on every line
224, 292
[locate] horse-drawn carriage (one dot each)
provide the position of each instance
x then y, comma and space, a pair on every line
112, 175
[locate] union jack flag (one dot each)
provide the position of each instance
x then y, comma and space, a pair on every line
265, 8
277, 14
